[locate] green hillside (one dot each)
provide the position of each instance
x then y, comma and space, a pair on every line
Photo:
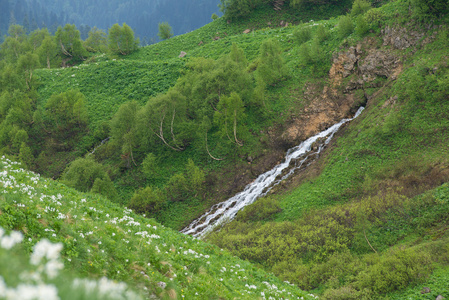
103, 239
173, 128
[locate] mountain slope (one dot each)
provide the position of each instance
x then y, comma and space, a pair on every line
102, 239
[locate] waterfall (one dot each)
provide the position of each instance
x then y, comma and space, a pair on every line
295, 158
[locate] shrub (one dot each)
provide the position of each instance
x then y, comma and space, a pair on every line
105, 187
177, 188
321, 33
345, 26
395, 270
262, 210
149, 166
195, 177
374, 17
272, 68
147, 200
361, 26
214, 16
346, 293
425, 9
302, 34
83, 173
359, 7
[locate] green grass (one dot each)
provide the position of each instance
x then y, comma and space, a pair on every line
100, 238
108, 84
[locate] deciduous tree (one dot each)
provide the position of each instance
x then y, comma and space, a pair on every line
165, 31
121, 39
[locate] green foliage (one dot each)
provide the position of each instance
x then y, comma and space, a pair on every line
311, 3
426, 9
47, 52
361, 26
26, 64
396, 270
214, 16
271, 68
147, 200
359, 7
25, 155
345, 26
150, 166
263, 209
164, 31
321, 33
233, 9
83, 173
66, 113
121, 39
97, 41
104, 186
15, 43
189, 183
374, 17
123, 128
195, 177
102, 239
229, 116
177, 188
69, 42
302, 34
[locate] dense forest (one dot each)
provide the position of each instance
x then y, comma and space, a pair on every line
137, 138
142, 16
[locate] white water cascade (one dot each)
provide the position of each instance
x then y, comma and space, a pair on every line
295, 158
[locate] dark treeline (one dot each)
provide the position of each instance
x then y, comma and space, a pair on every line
31, 14
142, 15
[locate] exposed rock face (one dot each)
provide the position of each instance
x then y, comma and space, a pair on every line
400, 38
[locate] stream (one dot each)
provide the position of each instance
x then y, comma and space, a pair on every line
296, 158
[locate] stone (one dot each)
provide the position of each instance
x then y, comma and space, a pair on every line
182, 54
440, 297
425, 290
247, 31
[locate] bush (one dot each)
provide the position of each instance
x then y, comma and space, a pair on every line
272, 68
374, 17
345, 26
359, 7
149, 166
262, 210
321, 33
361, 26
395, 270
177, 188
425, 9
147, 200
195, 177
302, 34
82, 173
